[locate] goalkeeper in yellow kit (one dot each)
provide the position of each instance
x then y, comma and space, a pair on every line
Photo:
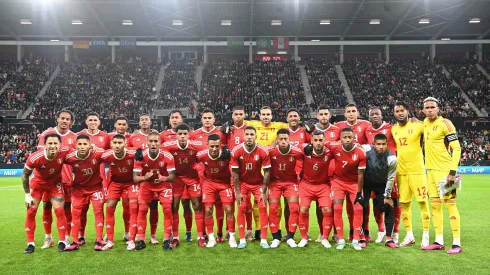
439, 138
266, 136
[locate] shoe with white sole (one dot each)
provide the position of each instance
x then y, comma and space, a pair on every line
408, 241
131, 246
154, 240
108, 246
275, 243
232, 243
291, 243
48, 242
326, 244
357, 246
340, 245
396, 236
303, 243
211, 243
319, 239
381, 236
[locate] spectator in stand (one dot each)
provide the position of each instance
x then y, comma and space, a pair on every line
179, 86
325, 84
7, 70
475, 145
17, 143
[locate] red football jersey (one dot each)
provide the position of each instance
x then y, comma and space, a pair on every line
47, 172
250, 164
138, 140
68, 139
332, 133
120, 170
168, 135
216, 170
385, 129
185, 158
87, 171
164, 163
202, 135
112, 134
298, 137
315, 167
236, 136
347, 162
283, 165
100, 139
359, 129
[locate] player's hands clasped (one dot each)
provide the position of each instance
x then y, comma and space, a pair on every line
388, 201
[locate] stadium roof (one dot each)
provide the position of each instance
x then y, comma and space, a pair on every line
194, 20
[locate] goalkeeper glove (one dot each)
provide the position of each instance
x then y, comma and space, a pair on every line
359, 198
444, 188
225, 153
308, 150
138, 156
227, 127
309, 126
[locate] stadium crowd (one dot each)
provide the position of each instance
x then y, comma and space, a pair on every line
125, 87
277, 84
179, 86
7, 70
475, 145
17, 143
25, 85
324, 84
374, 83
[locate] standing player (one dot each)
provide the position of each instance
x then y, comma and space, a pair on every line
46, 165
410, 174
64, 120
154, 170
379, 179
121, 127
440, 137
247, 162
176, 118
284, 182
216, 182
202, 134
121, 164
184, 152
139, 139
350, 162
87, 188
315, 185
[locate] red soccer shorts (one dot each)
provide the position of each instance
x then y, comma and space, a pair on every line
46, 192
182, 185
66, 193
341, 189
284, 188
163, 191
314, 192
211, 188
251, 189
83, 196
122, 190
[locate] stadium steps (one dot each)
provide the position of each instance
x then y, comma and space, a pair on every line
198, 78
480, 113
343, 81
161, 76
42, 92
8, 82
306, 84
482, 70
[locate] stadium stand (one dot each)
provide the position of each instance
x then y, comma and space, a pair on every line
179, 85
122, 88
325, 85
374, 83
16, 143
7, 70
475, 145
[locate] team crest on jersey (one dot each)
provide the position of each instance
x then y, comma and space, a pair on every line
331, 134
191, 152
70, 141
410, 131
161, 163
101, 139
256, 157
291, 159
354, 157
358, 128
129, 162
384, 131
435, 128
301, 135
60, 161
221, 163
94, 161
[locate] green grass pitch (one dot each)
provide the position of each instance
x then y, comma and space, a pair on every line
189, 258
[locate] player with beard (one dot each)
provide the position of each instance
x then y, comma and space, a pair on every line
64, 120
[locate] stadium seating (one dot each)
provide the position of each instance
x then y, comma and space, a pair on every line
7, 70
16, 143
123, 88
325, 84
475, 145
25, 85
179, 85
277, 84
373, 83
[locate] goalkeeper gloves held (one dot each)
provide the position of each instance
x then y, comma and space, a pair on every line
309, 126
138, 156
227, 127
308, 150
359, 198
225, 153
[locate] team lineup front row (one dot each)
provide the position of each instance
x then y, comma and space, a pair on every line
212, 167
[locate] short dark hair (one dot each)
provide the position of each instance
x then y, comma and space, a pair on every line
238, 108
214, 137
121, 118
317, 133
72, 116
266, 108
350, 105
347, 129
402, 103
118, 136
283, 132
93, 114
207, 110
292, 110
83, 137
183, 127
322, 107
251, 128
380, 136
144, 114
154, 134
52, 135
175, 112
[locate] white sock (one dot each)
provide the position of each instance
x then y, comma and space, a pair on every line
31, 243
263, 240
440, 240
48, 236
341, 241
410, 234
211, 236
243, 241
425, 233
355, 241
176, 237
457, 241
232, 235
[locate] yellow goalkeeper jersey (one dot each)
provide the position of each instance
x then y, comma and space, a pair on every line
439, 137
266, 135
408, 139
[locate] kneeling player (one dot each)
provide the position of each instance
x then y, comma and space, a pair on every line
216, 182
315, 186
350, 163
284, 182
154, 170
121, 163
87, 188
379, 178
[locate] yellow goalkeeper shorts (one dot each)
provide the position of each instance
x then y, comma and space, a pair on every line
433, 178
415, 185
